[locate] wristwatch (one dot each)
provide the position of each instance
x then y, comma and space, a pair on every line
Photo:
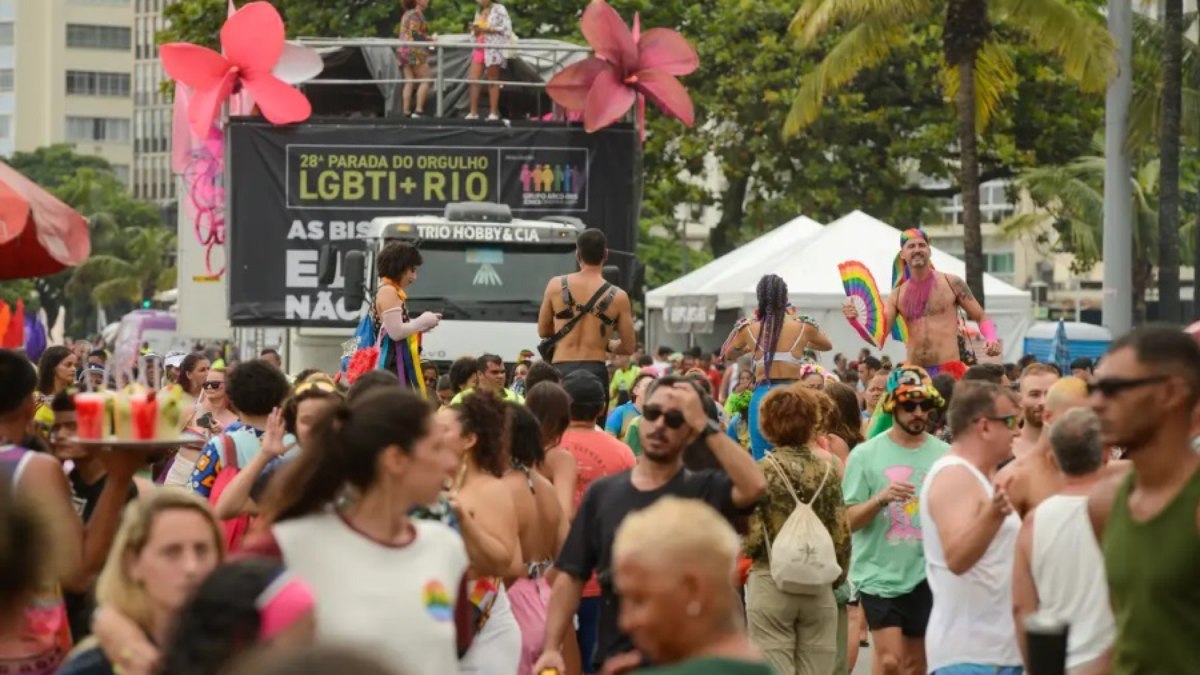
712, 427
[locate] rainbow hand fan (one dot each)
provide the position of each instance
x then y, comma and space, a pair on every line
864, 295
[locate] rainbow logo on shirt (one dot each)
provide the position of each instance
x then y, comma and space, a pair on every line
437, 601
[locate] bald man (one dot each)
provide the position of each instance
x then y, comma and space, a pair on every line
1033, 476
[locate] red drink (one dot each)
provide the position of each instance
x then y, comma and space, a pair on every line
89, 416
144, 410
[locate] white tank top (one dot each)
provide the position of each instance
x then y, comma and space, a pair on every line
1068, 570
971, 621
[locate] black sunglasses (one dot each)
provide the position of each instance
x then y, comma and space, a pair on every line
213, 385
911, 406
1111, 386
673, 418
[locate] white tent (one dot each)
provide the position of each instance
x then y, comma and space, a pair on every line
810, 269
715, 277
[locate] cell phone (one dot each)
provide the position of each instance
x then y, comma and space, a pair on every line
205, 421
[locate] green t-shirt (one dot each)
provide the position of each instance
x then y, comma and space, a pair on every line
633, 438
622, 380
711, 666
887, 558
508, 395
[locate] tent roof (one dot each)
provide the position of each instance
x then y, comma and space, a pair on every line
713, 278
1044, 330
809, 267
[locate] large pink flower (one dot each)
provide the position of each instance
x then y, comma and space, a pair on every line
253, 40
606, 86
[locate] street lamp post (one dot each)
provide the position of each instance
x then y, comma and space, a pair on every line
1118, 193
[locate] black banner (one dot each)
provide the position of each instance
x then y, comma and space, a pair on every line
293, 189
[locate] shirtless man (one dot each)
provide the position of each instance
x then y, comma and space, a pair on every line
587, 345
1033, 476
928, 301
1036, 380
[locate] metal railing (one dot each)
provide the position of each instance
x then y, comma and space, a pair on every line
531, 50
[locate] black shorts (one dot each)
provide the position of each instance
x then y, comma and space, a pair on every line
908, 612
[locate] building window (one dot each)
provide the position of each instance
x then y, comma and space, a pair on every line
1000, 263
92, 83
84, 36
99, 129
122, 173
6, 34
6, 80
5, 126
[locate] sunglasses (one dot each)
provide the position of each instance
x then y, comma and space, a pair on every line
1009, 421
1111, 386
912, 406
672, 418
213, 385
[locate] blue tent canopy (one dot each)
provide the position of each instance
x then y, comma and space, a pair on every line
1084, 339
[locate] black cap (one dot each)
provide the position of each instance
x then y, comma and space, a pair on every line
584, 388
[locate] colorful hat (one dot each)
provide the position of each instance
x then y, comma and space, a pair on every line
900, 271
910, 383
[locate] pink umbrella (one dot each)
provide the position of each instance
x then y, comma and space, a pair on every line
626, 66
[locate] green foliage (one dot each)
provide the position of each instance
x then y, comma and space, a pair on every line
131, 246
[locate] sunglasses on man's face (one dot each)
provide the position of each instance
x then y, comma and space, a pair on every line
1010, 421
913, 406
672, 418
1111, 386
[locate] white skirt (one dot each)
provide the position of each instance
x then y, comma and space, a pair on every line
497, 648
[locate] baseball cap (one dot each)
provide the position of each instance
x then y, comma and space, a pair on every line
174, 359
584, 388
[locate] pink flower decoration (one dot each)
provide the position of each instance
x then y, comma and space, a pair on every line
253, 40
627, 65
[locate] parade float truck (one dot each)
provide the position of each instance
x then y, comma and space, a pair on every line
494, 207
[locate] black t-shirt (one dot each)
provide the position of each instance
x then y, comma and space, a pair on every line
81, 605
608, 500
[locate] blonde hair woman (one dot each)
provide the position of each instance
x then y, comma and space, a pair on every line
674, 569
168, 543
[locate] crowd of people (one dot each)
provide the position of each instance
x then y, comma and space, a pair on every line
605, 509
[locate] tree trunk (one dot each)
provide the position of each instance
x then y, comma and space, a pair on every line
1196, 262
969, 177
1143, 273
1168, 148
733, 204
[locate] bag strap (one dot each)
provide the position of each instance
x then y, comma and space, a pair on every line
787, 483
828, 468
568, 302
583, 311
605, 320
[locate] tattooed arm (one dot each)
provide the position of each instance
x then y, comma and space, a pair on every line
966, 299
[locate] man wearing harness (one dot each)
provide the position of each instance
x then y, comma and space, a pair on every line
580, 336
928, 301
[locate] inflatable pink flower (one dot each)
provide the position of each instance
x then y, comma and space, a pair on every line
253, 41
626, 65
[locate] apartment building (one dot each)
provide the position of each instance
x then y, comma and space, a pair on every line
152, 177
66, 76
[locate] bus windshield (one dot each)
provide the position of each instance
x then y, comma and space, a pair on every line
484, 274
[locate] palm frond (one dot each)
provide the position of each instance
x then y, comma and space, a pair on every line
995, 75
818, 17
114, 290
103, 266
167, 279
1023, 224
866, 45
1082, 42
1066, 191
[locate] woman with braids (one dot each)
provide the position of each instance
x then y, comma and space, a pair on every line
476, 430
777, 337
397, 264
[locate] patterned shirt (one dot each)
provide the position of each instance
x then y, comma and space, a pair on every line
805, 473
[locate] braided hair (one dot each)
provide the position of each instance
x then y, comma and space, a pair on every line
772, 312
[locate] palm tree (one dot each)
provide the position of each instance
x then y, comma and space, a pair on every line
1071, 200
978, 68
133, 278
1168, 151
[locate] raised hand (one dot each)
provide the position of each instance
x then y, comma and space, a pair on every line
272, 440
849, 310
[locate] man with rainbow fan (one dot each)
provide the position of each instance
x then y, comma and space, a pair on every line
922, 310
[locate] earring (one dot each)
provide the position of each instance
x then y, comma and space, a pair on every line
693, 608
